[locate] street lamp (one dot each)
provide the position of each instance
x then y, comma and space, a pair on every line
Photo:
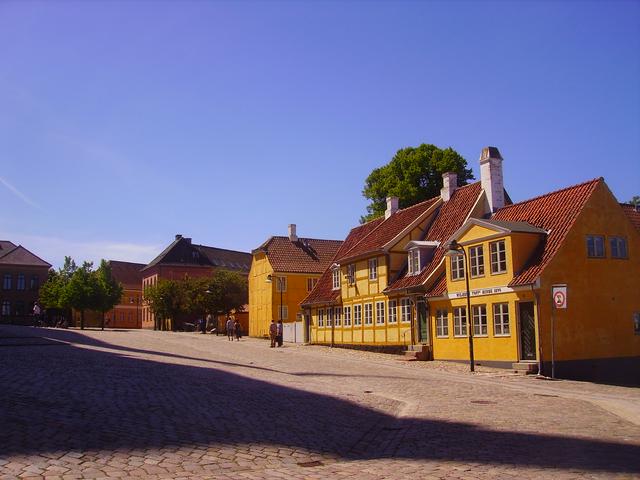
281, 281
455, 250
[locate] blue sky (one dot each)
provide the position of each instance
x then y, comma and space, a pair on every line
124, 123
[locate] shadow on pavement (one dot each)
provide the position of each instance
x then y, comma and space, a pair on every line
67, 398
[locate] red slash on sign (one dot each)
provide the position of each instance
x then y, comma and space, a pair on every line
559, 293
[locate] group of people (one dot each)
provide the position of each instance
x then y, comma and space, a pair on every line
275, 333
234, 329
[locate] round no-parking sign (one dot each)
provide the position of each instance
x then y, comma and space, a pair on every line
559, 295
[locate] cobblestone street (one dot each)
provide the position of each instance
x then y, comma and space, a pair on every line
150, 404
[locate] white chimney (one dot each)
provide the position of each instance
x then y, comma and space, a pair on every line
292, 233
449, 185
392, 206
491, 177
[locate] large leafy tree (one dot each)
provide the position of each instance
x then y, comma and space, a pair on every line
107, 291
167, 299
414, 174
81, 291
52, 292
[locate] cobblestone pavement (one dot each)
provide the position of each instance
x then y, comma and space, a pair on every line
115, 404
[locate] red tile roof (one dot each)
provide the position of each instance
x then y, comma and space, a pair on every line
306, 255
127, 273
554, 212
323, 291
451, 216
633, 213
388, 229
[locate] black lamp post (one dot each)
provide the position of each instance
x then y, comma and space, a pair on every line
454, 250
280, 285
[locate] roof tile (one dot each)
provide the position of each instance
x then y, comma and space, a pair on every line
306, 255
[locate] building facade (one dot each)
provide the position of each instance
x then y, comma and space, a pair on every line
283, 272
21, 273
181, 259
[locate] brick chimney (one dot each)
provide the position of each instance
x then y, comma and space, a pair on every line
392, 206
491, 177
292, 233
449, 185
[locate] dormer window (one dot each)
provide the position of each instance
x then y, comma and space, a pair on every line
414, 261
336, 277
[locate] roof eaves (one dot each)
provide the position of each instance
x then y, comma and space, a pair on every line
437, 201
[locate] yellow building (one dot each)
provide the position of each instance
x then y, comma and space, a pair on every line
283, 272
579, 238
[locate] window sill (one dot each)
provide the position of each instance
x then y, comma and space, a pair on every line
461, 336
442, 336
503, 335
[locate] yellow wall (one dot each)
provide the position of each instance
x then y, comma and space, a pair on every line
264, 298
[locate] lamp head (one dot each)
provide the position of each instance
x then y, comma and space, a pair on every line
454, 249
269, 279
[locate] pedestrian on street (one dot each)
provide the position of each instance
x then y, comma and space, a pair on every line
273, 331
279, 333
237, 328
230, 329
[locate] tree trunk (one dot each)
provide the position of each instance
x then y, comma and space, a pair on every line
102, 320
81, 319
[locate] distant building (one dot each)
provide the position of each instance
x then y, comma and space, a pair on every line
22, 273
181, 259
283, 272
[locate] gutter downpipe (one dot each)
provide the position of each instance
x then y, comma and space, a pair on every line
536, 296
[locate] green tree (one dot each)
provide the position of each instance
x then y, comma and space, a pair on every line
414, 174
52, 292
167, 300
635, 201
107, 290
231, 290
80, 292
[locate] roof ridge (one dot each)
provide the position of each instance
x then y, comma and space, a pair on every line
284, 237
554, 192
218, 248
15, 247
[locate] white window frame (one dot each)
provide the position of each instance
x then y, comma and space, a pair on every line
347, 315
414, 261
380, 312
329, 317
321, 317
405, 310
337, 316
459, 321
479, 318
618, 247
368, 313
498, 254
335, 275
442, 323
373, 269
501, 327
393, 311
281, 284
357, 314
476, 261
457, 267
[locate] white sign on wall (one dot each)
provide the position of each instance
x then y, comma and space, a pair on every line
559, 296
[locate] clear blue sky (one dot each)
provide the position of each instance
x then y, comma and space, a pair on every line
124, 123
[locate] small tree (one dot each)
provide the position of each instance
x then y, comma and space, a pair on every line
166, 299
107, 292
81, 291
53, 291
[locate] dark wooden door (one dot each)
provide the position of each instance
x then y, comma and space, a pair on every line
423, 331
527, 332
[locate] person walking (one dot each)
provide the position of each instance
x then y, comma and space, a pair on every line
273, 331
280, 331
237, 328
229, 329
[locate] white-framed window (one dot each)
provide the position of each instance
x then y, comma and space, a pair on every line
498, 256
476, 255
281, 284
357, 314
457, 267
368, 313
380, 313
442, 323
347, 316
6, 307
20, 284
373, 268
321, 317
618, 246
285, 312
311, 282
329, 316
460, 322
393, 311
479, 317
414, 262
595, 246
501, 320
6, 281
351, 273
335, 275
337, 314
405, 310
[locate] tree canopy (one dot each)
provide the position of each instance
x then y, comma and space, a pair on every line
414, 174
